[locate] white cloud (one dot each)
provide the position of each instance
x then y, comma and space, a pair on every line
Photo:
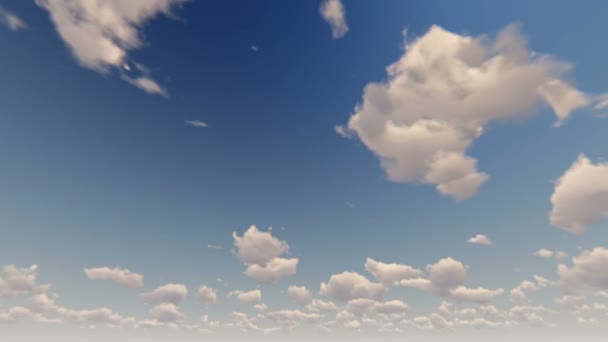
169, 293
249, 297
206, 295
261, 252
10, 20
273, 271
291, 318
588, 271
446, 278
198, 124
15, 281
548, 254
334, 14
321, 305
390, 274
443, 92
101, 33
580, 198
480, 239
257, 247
351, 285
167, 313
299, 294
118, 275
147, 84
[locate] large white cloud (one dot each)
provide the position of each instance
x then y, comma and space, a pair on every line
351, 285
390, 274
260, 252
11, 20
100, 33
334, 14
580, 198
169, 293
588, 271
443, 92
119, 275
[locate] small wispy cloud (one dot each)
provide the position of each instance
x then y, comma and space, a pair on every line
480, 239
254, 48
147, 84
196, 123
11, 20
211, 246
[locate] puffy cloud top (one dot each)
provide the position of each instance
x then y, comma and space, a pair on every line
119, 275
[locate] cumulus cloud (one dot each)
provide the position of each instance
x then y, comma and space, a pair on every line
334, 14
15, 281
446, 278
118, 275
580, 197
273, 271
443, 92
260, 252
167, 313
480, 239
588, 271
548, 254
11, 20
248, 297
299, 294
351, 285
390, 274
101, 33
169, 293
206, 295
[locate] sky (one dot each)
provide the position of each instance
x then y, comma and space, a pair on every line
285, 170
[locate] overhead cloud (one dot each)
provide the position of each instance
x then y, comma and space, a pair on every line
260, 252
334, 14
390, 274
118, 275
11, 20
446, 278
299, 294
15, 281
206, 295
480, 239
347, 286
580, 197
170, 293
442, 93
101, 33
588, 272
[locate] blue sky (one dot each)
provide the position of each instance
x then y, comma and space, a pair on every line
99, 170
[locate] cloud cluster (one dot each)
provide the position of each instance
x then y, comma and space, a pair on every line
442, 93
588, 271
261, 253
580, 197
333, 13
390, 274
347, 286
119, 275
101, 33
15, 281
446, 278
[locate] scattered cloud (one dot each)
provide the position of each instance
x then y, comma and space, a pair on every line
260, 252
196, 123
11, 20
333, 13
480, 239
147, 84
248, 297
15, 281
169, 293
254, 48
206, 295
588, 272
580, 197
390, 274
118, 275
548, 254
299, 294
347, 286
442, 93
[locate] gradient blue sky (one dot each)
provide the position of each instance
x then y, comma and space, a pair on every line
96, 172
